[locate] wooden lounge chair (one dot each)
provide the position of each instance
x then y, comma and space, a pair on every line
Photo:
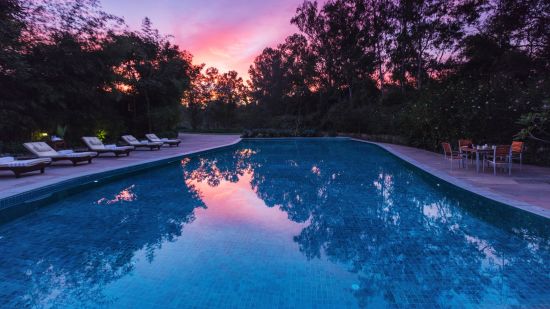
94, 144
451, 155
501, 157
19, 167
132, 141
167, 141
44, 150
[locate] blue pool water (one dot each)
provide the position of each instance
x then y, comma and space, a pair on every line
286, 223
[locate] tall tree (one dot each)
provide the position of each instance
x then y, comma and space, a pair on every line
427, 32
12, 71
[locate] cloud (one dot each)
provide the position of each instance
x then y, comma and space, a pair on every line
221, 33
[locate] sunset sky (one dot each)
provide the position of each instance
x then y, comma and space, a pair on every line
226, 34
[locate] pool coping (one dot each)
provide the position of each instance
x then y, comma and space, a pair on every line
534, 209
41, 191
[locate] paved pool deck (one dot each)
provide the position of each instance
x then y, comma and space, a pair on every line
63, 170
528, 188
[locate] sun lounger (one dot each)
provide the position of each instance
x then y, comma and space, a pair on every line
132, 141
44, 150
171, 142
96, 145
19, 167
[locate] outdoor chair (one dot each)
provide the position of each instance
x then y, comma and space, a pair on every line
19, 167
132, 141
465, 143
500, 158
517, 152
166, 141
96, 145
451, 155
44, 150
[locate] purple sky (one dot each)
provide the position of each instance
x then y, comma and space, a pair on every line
226, 34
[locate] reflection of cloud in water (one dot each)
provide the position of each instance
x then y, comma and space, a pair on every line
316, 170
246, 153
64, 255
237, 203
399, 238
399, 232
126, 195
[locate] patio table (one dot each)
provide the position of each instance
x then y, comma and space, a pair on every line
479, 151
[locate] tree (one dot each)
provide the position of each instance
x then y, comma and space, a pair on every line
214, 98
266, 80
12, 71
70, 64
536, 126
427, 31
338, 25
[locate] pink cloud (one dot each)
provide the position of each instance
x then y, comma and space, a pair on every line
221, 33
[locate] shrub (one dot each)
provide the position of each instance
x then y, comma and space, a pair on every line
271, 133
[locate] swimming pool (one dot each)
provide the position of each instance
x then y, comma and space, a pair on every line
278, 223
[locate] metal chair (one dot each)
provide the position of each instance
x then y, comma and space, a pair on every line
451, 155
501, 157
517, 152
462, 143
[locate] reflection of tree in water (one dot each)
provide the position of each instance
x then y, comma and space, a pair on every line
214, 170
408, 240
65, 255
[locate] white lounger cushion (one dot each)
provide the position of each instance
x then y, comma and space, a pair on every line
154, 138
131, 140
6, 159
11, 162
95, 144
41, 149
134, 142
44, 150
115, 147
72, 154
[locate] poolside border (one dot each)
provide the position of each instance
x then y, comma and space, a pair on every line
12, 205
450, 180
31, 198
536, 210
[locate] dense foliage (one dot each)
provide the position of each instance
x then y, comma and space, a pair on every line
69, 65
419, 71
426, 71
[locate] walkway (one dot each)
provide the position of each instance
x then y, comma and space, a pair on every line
528, 189
60, 171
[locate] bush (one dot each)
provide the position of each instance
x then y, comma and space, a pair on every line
271, 133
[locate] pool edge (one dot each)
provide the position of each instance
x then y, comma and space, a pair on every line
533, 209
45, 190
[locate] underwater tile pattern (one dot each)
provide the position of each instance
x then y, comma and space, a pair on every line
276, 224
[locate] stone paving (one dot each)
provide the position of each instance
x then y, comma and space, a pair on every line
63, 170
528, 188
